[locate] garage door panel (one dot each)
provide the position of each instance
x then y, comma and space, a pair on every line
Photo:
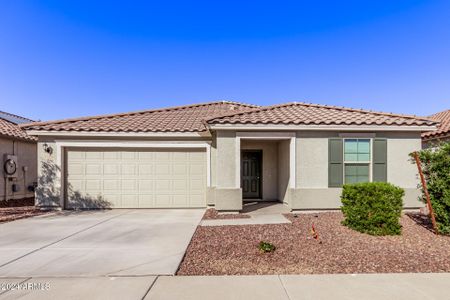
162, 200
179, 169
145, 169
93, 169
111, 169
146, 201
111, 185
162, 169
128, 169
93, 185
93, 155
132, 179
146, 185
129, 155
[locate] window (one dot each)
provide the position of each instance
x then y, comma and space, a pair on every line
357, 160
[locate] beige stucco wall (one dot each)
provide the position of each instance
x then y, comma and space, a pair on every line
269, 165
283, 171
311, 185
26, 156
48, 192
312, 190
226, 159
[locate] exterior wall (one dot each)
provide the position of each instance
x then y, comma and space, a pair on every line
283, 171
26, 156
312, 190
50, 191
226, 158
228, 196
311, 170
269, 165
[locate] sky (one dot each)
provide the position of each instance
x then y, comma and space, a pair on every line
61, 59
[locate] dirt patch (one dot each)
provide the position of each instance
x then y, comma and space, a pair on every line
8, 214
233, 250
212, 214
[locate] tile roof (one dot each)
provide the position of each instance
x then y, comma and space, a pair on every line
443, 128
188, 118
12, 130
297, 113
196, 118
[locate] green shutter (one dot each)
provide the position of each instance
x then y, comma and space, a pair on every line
380, 160
335, 163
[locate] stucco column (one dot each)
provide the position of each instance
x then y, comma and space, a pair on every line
228, 195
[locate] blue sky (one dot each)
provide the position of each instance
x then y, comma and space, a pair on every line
62, 59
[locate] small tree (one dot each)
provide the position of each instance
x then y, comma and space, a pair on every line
436, 169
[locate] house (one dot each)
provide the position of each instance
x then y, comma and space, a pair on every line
18, 157
223, 153
442, 134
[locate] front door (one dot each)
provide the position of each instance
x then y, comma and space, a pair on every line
251, 174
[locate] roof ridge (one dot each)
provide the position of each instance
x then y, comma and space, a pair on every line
171, 108
15, 116
342, 108
439, 113
367, 111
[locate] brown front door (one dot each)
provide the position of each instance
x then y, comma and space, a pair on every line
251, 174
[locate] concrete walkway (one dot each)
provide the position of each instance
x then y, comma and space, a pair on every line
283, 287
260, 213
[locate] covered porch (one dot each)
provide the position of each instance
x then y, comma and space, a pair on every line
253, 167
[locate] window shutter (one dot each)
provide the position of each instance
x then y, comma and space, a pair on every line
380, 160
335, 163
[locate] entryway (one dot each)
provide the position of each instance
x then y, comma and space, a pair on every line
251, 174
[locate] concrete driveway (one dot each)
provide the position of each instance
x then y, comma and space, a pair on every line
97, 243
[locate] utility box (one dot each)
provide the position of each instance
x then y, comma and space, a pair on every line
10, 166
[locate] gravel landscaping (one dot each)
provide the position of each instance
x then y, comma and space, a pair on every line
212, 214
233, 250
8, 214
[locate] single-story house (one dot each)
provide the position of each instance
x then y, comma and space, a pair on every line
442, 134
223, 153
18, 157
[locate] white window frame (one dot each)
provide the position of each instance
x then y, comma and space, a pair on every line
370, 163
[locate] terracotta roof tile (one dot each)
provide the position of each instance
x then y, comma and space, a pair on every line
188, 118
194, 118
312, 114
12, 130
444, 127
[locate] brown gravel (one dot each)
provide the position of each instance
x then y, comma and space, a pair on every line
212, 214
232, 250
17, 202
8, 214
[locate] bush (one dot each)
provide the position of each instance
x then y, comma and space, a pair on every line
436, 169
265, 247
374, 207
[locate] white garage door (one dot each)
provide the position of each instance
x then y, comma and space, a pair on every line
135, 178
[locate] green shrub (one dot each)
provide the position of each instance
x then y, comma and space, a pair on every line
436, 169
373, 207
265, 247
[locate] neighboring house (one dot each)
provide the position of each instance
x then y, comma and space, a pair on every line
18, 157
431, 138
222, 153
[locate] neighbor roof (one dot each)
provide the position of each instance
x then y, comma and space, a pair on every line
444, 127
188, 118
10, 129
298, 113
